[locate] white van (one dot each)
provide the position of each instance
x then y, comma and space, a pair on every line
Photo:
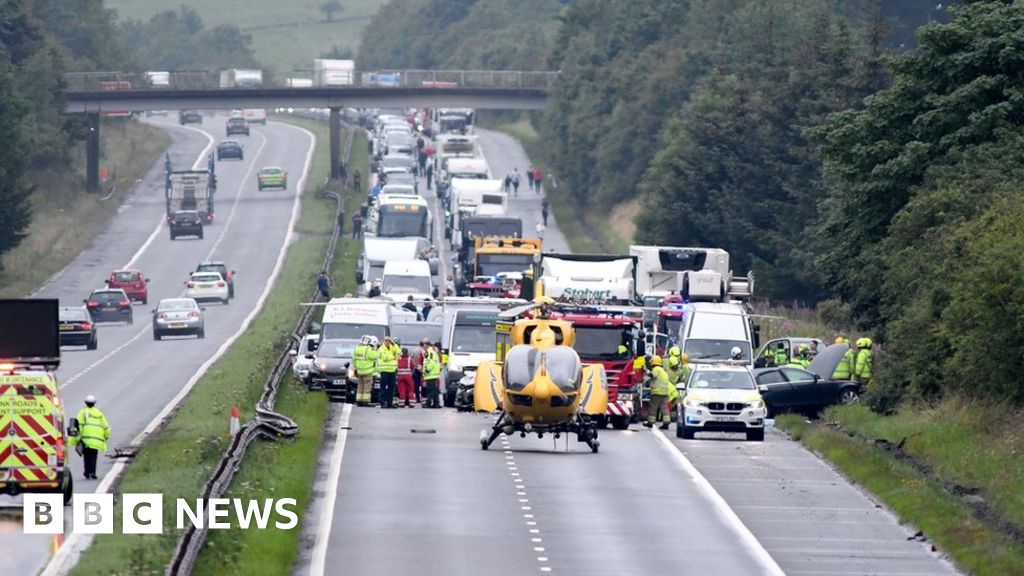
467, 194
404, 278
378, 251
255, 115
351, 318
711, 330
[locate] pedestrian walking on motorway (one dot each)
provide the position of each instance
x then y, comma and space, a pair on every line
540, 230
515, 181
406, 386
422, 157
430, 174
357, 225
431, 376
417, 370
538, 177
323, 284
507, 184
387, 364
529, 176
544, 210
357, 180
93, 432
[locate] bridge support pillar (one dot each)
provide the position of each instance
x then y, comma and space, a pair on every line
92, 153
335, 122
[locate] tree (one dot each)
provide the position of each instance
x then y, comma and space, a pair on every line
14, 189
329, 8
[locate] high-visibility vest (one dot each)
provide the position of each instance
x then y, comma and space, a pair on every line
844, 370
864, 360
431, 365
93, 430
660, 383
405, 365
387, 358
365, 358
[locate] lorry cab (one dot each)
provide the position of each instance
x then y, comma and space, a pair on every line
400, 216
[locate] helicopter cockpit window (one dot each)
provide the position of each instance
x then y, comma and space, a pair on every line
563, 368
521, 364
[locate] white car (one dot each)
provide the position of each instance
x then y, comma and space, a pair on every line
206, 286
720, 398
302, 357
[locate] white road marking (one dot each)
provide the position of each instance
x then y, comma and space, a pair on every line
318, 563
104, 358
66, 557
724, 511
241, 190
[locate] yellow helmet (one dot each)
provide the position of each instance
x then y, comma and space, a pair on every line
841, 340
674, 351
656, 360
542, 299
864, 343
685, 358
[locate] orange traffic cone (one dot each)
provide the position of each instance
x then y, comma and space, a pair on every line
235, 424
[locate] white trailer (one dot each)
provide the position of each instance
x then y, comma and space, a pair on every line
589, 278
697, 274
241, 78
333, 72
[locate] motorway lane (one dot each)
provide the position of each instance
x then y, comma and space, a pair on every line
132, 376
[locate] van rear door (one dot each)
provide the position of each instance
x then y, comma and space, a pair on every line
31, 442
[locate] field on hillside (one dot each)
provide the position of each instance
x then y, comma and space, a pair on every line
286, 36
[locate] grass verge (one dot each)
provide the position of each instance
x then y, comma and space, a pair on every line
179, 458
66, 219
952, 470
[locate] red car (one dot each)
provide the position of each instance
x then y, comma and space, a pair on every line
133, 282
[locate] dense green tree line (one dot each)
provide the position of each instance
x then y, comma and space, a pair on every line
178, 40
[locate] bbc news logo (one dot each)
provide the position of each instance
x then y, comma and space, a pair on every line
144, 513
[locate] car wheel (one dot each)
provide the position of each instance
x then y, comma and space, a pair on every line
92, 344
145, 300
620, 422
449, 399
848, 396
156, 335
226, 301
259, 187
173, 237
756, 435
231, 291
200, 235
130, 319
688, 432
201, 334
69, 486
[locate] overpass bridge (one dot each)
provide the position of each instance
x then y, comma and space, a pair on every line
96, 93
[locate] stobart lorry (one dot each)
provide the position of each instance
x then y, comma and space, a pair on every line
34, 456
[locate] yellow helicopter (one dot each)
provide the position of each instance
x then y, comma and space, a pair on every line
538, 384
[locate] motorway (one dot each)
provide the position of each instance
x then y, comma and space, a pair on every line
135, 379
410, 491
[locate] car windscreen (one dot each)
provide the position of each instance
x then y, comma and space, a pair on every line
222, 270
177, 304
401, 283
205, 277
473, 338
334, 331
271, 171
73, 315
492, 264
126, 276
186, 216
721, 380
600, 342
401, 220
699, 350
411, 333
108, 296
335, 349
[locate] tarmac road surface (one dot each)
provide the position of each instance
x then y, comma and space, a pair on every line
132, 376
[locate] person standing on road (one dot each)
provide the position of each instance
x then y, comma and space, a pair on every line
406, 393
93, 433
364, 358
387, 363
323, 284
507, 184
661, 390
417, 370
540, 230
431, 376
538, 177
865, 360
430, 174
544, 206
529, 176
515, 181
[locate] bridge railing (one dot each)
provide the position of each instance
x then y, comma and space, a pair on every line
206, 80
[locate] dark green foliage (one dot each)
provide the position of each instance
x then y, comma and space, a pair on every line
177, 40
14, 190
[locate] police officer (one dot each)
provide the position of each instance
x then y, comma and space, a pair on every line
661, 390
431, 376
364, 358
93, 432
844, 369
865, 359
387, 363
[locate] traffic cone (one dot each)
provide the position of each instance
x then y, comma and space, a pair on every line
235, 425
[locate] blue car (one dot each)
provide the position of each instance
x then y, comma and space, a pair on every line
229, 149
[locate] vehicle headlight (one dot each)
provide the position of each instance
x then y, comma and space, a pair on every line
756, 404
321, 365
693, 403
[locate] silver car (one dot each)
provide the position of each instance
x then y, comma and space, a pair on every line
175, 316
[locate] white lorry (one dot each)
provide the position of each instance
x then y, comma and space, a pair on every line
697, 274
241, 78
589, 279
465, 195
333, 72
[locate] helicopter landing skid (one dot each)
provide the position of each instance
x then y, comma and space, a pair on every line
585, 431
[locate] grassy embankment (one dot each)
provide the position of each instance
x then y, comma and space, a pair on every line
178, 459
66, 219
953, 470
286, 36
